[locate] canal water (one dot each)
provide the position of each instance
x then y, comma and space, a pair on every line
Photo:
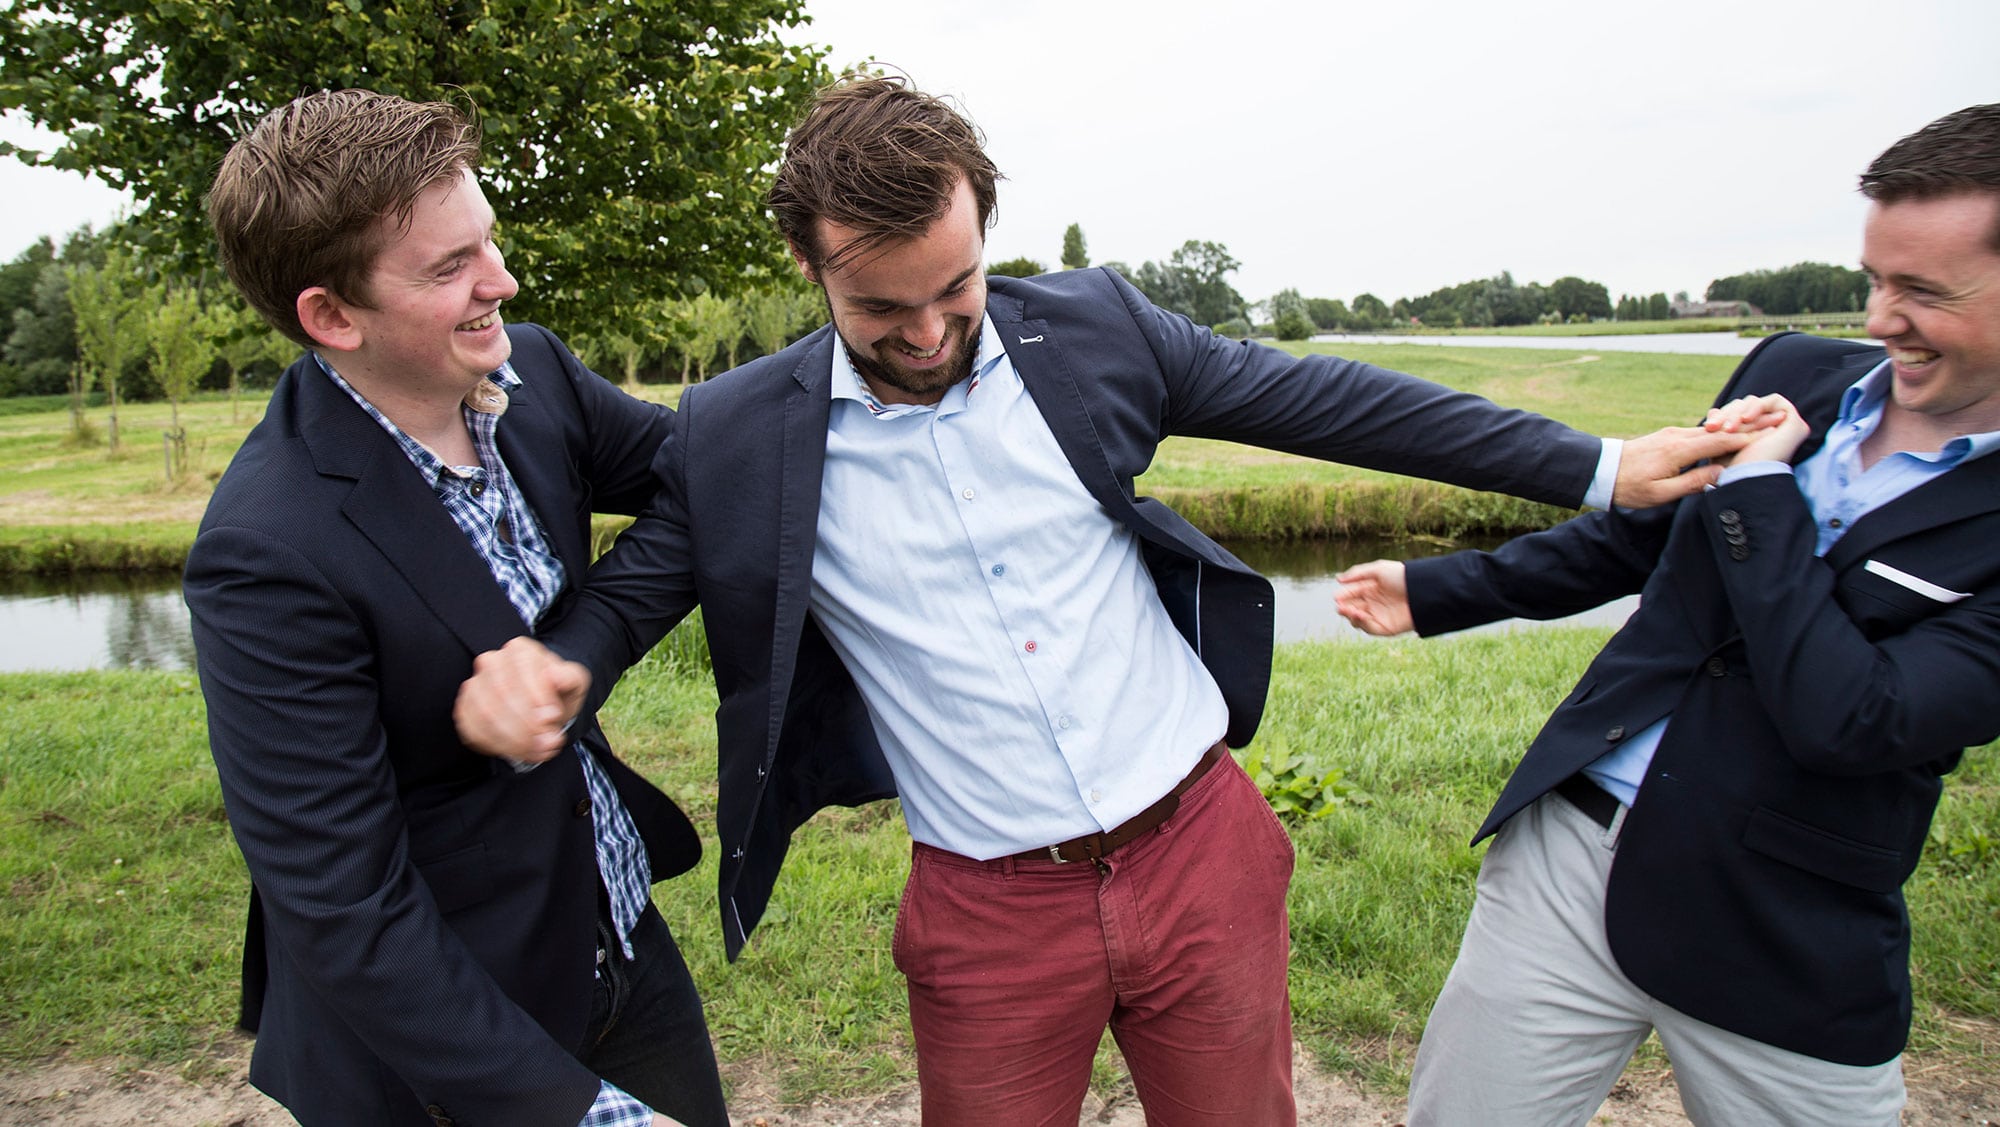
139, 622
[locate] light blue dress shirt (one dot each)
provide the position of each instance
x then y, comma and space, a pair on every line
1022, 676
1838, 492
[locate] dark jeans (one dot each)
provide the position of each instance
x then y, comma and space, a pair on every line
646, 1032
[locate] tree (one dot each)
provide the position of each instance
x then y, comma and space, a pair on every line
1328, 314
109, 302
772, 315
1369, 312
626, 142
1207, 267
1289, 319
41, 343
1074, 256
242, 338
1572, 296
179, 340
1017, 268
702, 324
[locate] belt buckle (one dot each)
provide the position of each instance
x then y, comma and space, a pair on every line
1055, 854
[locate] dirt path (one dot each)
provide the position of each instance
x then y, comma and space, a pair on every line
93, 1095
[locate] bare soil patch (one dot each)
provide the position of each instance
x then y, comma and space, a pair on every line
102, 1095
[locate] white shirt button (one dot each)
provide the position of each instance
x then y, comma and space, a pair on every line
1096, 796
967, 494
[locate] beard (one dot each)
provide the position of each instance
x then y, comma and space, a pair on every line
884, 369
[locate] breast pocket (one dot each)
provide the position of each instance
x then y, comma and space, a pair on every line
458, 879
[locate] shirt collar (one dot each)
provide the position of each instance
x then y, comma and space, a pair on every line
433, 467
847, 383
1861, 411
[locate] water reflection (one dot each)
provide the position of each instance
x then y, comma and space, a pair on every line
94, 621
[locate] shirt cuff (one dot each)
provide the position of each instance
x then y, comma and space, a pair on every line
1606, 482
614, 1108
1752, 469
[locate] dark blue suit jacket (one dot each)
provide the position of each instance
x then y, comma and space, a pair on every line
735, 525
422, 929
1757, 884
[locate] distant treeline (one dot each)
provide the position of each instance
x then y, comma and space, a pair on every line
1809, 287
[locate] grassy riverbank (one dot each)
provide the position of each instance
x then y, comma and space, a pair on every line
69, 507
125, 895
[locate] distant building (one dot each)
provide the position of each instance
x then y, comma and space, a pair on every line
1714, 309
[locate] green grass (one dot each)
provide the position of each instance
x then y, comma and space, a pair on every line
126, 896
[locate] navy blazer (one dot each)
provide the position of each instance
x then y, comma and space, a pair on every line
1816, 705
423, 921
736, 521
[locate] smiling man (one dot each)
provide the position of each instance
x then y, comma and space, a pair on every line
433, 935
924, 571
1710, 836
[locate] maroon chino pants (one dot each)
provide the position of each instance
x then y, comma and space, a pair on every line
1178, 941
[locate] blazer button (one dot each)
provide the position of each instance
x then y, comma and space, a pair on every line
1717, 667
1739, 553
1730, 518
438, 1116
1616, 733
582, 807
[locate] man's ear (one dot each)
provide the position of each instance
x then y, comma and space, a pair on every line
805, 264
328, 320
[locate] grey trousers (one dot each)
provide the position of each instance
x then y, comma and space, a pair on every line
1536, 1021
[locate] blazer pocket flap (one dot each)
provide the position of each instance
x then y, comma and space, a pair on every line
1909, 582
1826, 854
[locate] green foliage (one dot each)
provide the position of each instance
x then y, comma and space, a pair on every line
1289, 319
1573, 297
1328, 314
625, 142
1017, 268
110, 305
1194, 282
1295, 788
1074, 255
181, 342
1805, 288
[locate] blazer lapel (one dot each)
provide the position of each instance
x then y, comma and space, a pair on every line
808, 405
400, 514
1038, 357
1963, 491
528, 443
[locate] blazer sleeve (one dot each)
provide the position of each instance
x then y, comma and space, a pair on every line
1584, 562
1339, 410
287, 670
634, 595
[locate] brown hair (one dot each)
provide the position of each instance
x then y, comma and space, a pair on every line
296, 201
1957, 154
876, 155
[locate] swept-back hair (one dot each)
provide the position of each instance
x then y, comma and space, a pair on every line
296, 201
879, 157
1958, 153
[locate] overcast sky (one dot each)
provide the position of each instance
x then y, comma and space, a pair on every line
1338, 147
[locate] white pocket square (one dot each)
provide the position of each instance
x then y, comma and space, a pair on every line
1922, 587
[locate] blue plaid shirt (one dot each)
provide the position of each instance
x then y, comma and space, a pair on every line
484, 503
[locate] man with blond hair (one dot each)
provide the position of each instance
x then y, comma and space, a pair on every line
434, 936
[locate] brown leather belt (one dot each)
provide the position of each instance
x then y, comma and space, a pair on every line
1595, 802
1091, 847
